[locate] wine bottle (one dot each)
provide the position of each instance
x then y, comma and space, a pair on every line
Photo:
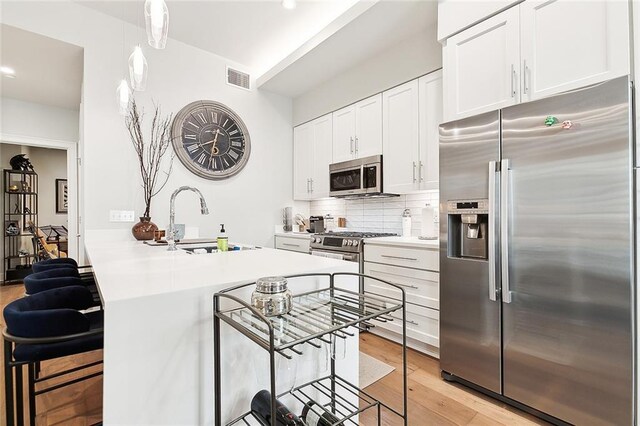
312, 418
261, 408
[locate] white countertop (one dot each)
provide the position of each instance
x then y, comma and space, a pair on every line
413, 242
128, 269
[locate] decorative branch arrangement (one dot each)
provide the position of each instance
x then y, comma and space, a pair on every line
151, 153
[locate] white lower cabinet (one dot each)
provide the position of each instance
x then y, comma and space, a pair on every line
299, 244
416, 271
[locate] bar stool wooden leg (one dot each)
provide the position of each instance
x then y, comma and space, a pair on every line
8, 382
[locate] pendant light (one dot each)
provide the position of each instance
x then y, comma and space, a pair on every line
138, 69
124, 96
156, 17
123, 92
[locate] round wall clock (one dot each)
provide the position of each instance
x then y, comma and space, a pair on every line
211, 140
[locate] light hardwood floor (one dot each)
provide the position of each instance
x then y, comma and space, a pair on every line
432, 401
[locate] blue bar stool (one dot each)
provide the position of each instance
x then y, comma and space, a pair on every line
54, 278
57, 277
64, 262
45, 326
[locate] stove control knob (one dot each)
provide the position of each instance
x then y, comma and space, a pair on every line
318, 240
350, 242
355, 243
344, 242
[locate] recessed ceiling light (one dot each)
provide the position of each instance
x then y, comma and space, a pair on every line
8, 72
289, 4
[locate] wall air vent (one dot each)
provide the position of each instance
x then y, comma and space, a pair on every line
238, 78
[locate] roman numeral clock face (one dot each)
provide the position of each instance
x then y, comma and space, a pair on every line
210, 140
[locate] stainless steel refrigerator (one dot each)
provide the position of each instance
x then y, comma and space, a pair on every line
536, 254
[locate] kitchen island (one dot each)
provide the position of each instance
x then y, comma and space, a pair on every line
158, 341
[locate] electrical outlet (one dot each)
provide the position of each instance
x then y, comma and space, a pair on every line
121, 216
128, 216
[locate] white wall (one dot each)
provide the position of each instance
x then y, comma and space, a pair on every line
405, 61
249, 204
35, 120
50, 164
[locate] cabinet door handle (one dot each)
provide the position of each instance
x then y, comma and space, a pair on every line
356, 145
414, 172
311, 184
420, 172
513, 78
351, 144
524, 76
291, 245
308, 188
513, 72
399, 257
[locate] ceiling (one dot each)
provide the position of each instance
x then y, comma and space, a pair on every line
52, 77
382, 26
256, 34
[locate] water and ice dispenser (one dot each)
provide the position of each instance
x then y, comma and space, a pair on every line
468, 228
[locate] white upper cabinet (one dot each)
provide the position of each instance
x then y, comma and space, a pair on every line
368, 139
344, 133
357, 130
568, 44
322, 156
482, 66
430, 119
533, 50
400, 140
412, 113
302, 158
312, 154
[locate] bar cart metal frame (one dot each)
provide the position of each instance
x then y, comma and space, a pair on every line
334, 310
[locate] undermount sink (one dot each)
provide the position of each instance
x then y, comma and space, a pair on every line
212, 248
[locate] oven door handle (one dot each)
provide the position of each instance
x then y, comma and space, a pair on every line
349, 257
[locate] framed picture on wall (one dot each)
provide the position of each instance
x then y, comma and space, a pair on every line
62, 200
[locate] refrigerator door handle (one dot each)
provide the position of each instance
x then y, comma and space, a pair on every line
505, 199
492, 231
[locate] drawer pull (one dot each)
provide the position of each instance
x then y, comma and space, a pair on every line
399, 257
407, 285
393, 282
408, 321
291, 245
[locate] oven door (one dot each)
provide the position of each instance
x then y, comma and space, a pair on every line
349, 257
346, 181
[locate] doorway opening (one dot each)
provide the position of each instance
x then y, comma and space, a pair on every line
40, 116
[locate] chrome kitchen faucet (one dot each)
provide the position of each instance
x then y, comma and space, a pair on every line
171, 237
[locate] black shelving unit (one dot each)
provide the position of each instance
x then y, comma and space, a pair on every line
329, 311
20, 209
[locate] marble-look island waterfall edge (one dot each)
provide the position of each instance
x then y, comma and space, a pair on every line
158, 341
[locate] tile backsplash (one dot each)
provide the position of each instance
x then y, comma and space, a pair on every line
378, 214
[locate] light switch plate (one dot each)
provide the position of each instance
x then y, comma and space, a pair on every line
121, 216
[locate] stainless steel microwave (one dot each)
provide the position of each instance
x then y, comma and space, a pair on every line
360, 177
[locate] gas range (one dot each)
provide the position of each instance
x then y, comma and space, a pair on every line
341, 242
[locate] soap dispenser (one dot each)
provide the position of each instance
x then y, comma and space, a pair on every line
223, 240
